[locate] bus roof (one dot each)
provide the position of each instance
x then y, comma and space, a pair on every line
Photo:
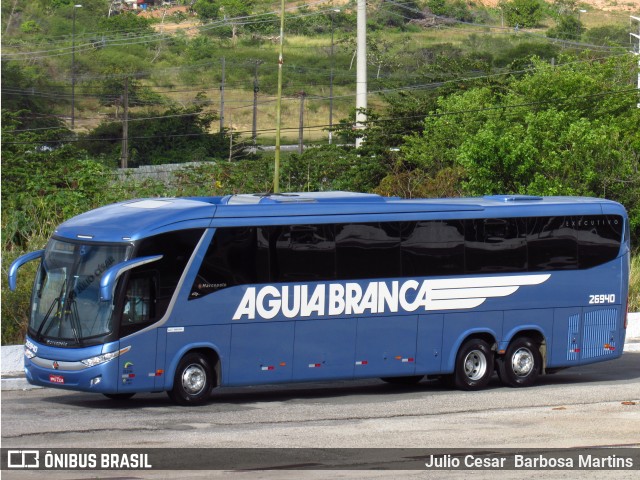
135, 219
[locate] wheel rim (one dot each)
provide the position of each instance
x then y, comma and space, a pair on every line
194, 379
475, 365
522, 362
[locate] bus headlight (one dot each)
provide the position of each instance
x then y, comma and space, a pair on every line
28, 353
105, 357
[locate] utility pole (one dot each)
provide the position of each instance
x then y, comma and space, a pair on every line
254, 131
276, 169
222, 98
73, 67
636, 48
301, 124
124, 156
331, 78
361, 69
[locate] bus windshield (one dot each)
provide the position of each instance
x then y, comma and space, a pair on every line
66, 309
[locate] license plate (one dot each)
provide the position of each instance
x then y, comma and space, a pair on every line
56, 379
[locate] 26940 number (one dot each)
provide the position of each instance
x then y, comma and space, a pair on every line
604, 298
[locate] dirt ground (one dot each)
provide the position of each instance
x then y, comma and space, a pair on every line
160, 11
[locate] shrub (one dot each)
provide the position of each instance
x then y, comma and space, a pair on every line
522, 13
30, 26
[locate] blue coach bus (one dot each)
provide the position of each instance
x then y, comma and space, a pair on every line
186, 294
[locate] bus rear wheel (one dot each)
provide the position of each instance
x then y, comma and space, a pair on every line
193, 380
521, 364
474, 365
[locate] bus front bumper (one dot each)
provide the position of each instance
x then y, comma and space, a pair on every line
101, 378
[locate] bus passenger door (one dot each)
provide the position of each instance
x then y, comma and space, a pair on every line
137, 366
386, 346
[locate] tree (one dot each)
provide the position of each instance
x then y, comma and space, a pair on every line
569, 28
126, 23
177, 135
392, 14
234, 10
608, 35
522, 13
231, 10
19, 85
457, 9
565, 7
564, 130
206, 9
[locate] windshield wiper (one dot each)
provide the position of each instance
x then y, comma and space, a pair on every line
76, 327
46, 317
55, 300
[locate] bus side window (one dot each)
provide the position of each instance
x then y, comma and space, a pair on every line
176, 249
495, 245
140, 300
139, 303
552, 243
433, 247
236, 256
368, 250
599, 238
305, 253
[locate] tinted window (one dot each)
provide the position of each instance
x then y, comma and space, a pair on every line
305, 253
552, 243
495, 245
139, 308
598, 239
368, 250
235, 256
433, 248
160, 278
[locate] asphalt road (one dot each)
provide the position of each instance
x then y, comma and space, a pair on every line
594, 405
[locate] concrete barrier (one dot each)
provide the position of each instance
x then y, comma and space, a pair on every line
13, 374
633, 329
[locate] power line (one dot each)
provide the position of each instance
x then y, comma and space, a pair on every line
506, 29
405, 88
247, 85
496, 108
128, 40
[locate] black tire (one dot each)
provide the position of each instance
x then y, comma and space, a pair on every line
193, 381
474, 365
522, 363
408, 380
119, 396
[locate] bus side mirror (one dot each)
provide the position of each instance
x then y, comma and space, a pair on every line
110, 277
20, 261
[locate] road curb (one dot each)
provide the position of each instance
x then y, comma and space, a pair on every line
13, 375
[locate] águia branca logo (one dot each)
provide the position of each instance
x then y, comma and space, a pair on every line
333, 299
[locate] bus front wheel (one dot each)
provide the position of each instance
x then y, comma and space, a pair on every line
474, 365
193, 380
521, 363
